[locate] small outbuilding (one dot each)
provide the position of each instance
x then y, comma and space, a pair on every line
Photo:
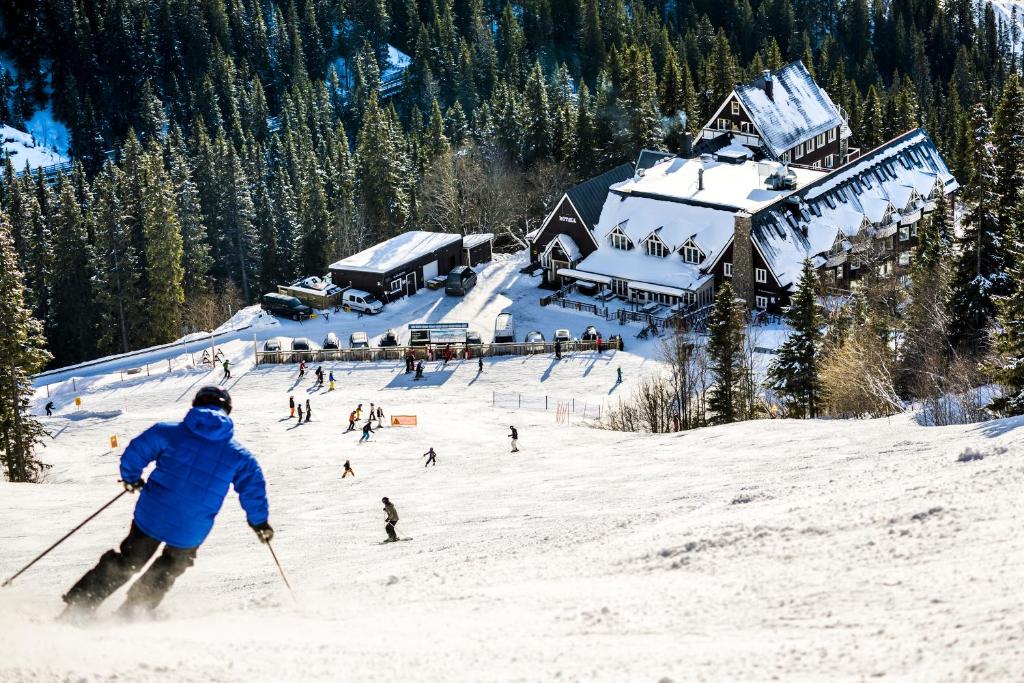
401, 265
477, 248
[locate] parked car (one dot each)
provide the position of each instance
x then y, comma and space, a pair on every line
305, 347
364, 302
534, 341
331, 342
285, 306
562, 335
359, 340
586, 288
615, 342
272, 351
389, 338
437, 282
460, 280
473, 338
590, 334
504, 329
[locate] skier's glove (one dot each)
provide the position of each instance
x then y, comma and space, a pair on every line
264, 532
133, 486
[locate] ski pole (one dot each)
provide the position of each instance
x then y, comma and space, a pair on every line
62, 539
283, 577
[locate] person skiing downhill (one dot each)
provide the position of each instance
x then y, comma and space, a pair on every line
558, 349
302, 369
299, 408
348, 470
351, 422
331, 380
515, 439
390, 520
359, 411
227, 369
380, 417
49, 408
319, 376
309, 411
197, 459
291, 406
367, 430
431, 457
419, 370
447, 354
479, 364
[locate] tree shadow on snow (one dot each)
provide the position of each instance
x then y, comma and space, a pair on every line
997, 428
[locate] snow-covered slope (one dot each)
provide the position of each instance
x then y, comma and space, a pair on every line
1010, 12
807, 550
25, 149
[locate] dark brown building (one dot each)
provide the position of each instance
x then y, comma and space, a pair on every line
477, 248
785, 116
401, 265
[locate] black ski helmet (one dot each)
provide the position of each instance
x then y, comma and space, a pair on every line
384, 500
216, 397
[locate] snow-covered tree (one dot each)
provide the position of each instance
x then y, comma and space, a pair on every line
794, 373
725, 352
22, 354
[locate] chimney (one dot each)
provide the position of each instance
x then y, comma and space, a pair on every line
743, 258
769, 84
705, 159
687, 150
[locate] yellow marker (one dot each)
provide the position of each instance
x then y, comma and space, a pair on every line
78, 401
113, 440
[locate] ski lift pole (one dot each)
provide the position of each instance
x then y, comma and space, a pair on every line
62, 539
279, 569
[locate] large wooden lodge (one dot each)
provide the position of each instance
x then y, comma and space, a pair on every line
769, 181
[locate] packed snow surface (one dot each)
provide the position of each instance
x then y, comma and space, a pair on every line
795, 550
26, 149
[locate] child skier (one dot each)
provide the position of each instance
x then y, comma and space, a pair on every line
299, 408
227, 369
391, 519
447, 353
515, 439
431, 457
319, 376
331, 380
351, 422
479, 364
302, 369
380, 417
197, 460
367, 430
359, 411
291, 406
348, 470
419, 370
309, 411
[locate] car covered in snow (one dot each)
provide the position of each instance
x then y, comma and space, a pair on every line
389, 338
504, 329
358, 340
562, 335
590, 334
473, 338
272, 350
534, 341
331, 342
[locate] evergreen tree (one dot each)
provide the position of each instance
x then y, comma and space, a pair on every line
538, 133
380, 164
195, 259
71, 328
116, 265
794, 373
164, 274
1009, 339
22, 354
591, 41
981, 271
725, 351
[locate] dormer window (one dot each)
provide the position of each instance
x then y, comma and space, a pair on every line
655, 247
691, 253
735, 108
619, 240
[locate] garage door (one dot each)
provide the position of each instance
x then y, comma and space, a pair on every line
430, 271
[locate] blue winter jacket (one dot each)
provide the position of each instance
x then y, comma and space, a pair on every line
196, 461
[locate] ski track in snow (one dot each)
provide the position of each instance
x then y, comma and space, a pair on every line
799, 550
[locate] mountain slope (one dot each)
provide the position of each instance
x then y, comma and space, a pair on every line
806, 550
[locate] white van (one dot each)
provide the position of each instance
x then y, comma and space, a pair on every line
504, 329
361, 301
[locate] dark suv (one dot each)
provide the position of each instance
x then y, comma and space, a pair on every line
285, 306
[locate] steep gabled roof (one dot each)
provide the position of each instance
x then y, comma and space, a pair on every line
649, 157
588, 197
808, 222
797, 110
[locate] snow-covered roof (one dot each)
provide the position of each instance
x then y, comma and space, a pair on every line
476, 239
797, 110
674, 222
808, 222
637, 267
726, 185
397, 251
568, 246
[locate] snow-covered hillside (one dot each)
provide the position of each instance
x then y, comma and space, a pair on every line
25, 149
1011, 12
802, 550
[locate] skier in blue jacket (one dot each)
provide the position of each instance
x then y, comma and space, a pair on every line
197, 459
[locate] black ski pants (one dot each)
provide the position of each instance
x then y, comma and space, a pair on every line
390, 528
117, 566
